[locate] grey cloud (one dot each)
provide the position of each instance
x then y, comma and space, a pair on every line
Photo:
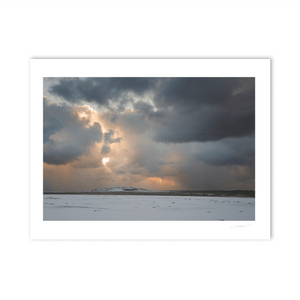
61, 153
134, 123
100, 90
105, 149
186, 109
206, 124
205, 109
227, 152
147, 156
163, 163
194, 92
143, 107
109, 140
148, 111
78, 137
55, 117
108, 137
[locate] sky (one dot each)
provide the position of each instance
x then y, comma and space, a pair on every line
153, 133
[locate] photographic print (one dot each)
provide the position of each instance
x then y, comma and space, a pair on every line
150, 148
142, 148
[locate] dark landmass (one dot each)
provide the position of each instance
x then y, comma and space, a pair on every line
209, 193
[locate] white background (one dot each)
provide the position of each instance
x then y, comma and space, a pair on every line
144, 269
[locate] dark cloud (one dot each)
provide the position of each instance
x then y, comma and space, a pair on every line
109, 140
206, 124
101, 90
61, 153
183, 110
143, 107
108, 137
190, 93
54, 118
148, 111
105, 149
205, 109
77, 135
227, 152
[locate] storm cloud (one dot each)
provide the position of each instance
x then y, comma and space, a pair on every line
226, 152
205, 109
207, 124
101, 90
190, 109
66, 136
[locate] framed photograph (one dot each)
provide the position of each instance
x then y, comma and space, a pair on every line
149, 149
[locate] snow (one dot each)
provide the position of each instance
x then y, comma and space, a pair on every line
121, 189
140, 207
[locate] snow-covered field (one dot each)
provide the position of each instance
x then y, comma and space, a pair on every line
131, 207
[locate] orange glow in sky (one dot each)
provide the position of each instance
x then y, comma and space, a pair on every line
161, 183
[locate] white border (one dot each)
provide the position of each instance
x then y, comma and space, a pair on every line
153, 230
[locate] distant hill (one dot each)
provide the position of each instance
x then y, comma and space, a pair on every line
120, 189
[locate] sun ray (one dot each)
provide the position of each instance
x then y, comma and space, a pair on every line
105, 160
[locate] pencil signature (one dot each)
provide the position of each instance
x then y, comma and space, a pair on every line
236, 226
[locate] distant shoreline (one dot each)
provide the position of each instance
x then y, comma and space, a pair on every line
198, 193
